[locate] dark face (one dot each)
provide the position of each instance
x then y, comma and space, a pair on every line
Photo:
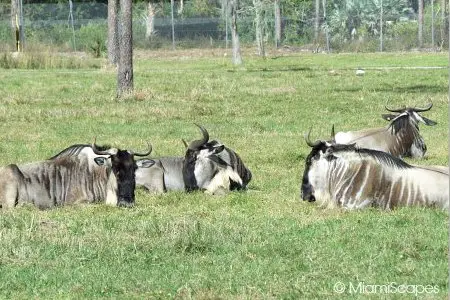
307, 190
124, 166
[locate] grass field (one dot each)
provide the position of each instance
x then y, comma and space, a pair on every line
261, 244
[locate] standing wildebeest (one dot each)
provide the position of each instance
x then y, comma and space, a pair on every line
208, 166
351, 177
400, 138
68, 178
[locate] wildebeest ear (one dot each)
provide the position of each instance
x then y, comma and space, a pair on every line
429, 122
100, 160
218, 160
145, 163
388, 117
219, 149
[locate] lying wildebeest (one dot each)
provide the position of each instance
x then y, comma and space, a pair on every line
208, 166
400, 138
351, 177
201, 153
69, 178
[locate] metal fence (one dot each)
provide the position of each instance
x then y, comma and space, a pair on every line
83, 26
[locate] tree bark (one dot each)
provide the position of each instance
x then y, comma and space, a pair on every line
150, 23
277, 14
113, 41
324, 7
316, 20
14, 22
125, 69
420, 23
237, 58
259, 27
442, 23
180, 7
172, 20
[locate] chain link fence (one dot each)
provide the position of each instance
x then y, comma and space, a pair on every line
82, 26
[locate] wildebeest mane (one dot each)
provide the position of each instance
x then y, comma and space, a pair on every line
382, 157
76, 149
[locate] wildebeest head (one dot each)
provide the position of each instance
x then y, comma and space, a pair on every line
319, 149
410, 115
200, 149
123, 166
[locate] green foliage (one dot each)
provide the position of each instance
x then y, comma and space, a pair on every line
44, 59
259, 244
92, 38
403, 35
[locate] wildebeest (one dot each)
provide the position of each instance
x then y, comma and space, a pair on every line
207, 165
351, 177
400, 138
226, 165
76, 174
160, 174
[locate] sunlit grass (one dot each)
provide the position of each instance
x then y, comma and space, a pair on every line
263, 243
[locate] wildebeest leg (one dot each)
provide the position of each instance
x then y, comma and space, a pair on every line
10, 180
219, 185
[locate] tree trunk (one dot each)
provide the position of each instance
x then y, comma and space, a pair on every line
259, 27
180, 8
432, 24
277, 14
125, 69
237, 59
113, 41
14, 23
324, 6
316, 21
173, 23
225, 15
150, 23
442, 24
381, 26
420, 22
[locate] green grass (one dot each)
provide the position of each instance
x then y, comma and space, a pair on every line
260, 244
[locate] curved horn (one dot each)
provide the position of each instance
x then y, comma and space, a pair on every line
333, 134
198, 143
185, 143
100, 152
150, 148
428, 107
308, 141
398, 110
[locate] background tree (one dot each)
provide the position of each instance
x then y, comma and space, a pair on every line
316, 20
277, 21
125, 68
150, 20
237, 58
113, 40
14, 15
259, 27
420, 22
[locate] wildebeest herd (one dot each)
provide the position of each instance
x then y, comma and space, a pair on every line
351, 170
91, 173
365, 168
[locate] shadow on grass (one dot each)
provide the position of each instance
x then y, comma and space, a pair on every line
420, 88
